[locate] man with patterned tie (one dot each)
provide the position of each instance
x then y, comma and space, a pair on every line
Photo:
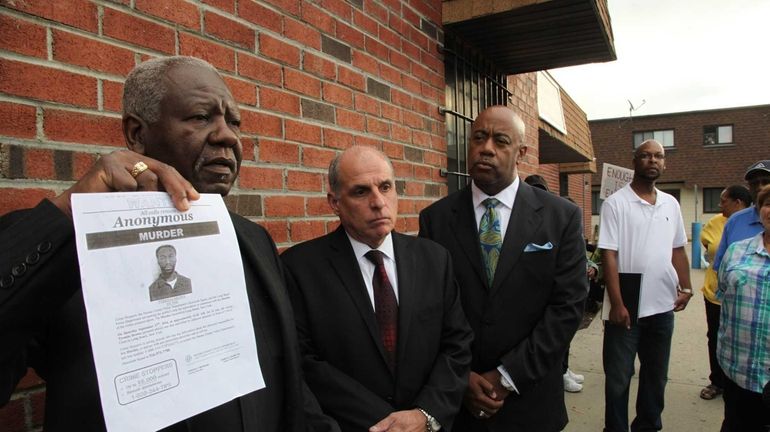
519, 258
384, 341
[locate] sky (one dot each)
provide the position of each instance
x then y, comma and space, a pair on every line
677, 55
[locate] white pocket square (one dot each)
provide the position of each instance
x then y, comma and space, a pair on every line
532, 247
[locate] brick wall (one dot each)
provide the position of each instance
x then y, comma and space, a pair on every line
312, 77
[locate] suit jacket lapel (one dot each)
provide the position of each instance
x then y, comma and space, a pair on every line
523, 224
343, 261
408, 294
463, 223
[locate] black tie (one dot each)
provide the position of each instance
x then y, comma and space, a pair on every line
385, 307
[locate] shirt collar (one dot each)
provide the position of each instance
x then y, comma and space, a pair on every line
757, 245
360, 249
506, 196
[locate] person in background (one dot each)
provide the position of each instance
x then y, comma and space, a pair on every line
743, 346
731, 200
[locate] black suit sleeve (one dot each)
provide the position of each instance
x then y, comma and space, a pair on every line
531, 359
38, 272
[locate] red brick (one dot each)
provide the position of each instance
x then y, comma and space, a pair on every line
38, 164
278, 50
260, 178
218, 55
17, 120
112, 96
375, 10
427, 75
338, 95
304, 181
76, 13
377, 49
413, 120
422, 172
428, 10
82, 128
434, 158
229, 30
389, 37
401, 62
432, 62
14, 199
260, 15
396, 23
243, 91
176, 11
284, 206
332, 225
12, 415
277, 100
390, 74
337, 139
368, 141
411, 16
364, 22
438, 143
394, 5
23, 37
255, 68
350, 119
392, 150
415, 189
378, 127
412, 224
351, 78
391, 112
81, 163
318, 66
261, 124
365, 62
350, 35
314, 157
225, 5
318, 18
411, 50
248, 149
303, 132
318, 206
43, 83
278, 152
401, 133
302, 83
91, 53
138, 31
422, 107
338, 8
307, 230
402, 169
411, 85
286, 6
421, 139
367, 104
401, 99
278, 230
302, 33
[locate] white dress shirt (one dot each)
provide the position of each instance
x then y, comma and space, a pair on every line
367, 267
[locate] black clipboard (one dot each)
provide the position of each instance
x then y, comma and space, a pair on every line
630, 292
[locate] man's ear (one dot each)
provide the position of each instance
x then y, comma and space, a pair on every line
333, 203
522, 153
134, 132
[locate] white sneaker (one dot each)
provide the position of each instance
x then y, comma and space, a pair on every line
576, 377
570, 385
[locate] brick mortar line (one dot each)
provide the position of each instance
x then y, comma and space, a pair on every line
59, 145
5, 97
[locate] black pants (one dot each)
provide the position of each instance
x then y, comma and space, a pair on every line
744, 410
717, 376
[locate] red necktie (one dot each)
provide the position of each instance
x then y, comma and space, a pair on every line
385, 306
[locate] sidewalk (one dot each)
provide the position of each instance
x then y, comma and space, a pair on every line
688, 373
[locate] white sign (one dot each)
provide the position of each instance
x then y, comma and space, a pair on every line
614, 178
168, 313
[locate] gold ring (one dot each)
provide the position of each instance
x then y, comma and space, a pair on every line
139, 168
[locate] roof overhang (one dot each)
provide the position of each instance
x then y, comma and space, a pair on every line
531, 35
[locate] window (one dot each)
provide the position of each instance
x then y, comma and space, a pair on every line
665, 137
674, 192
472, 84
715, 135
563, 184
596, 203
711, 200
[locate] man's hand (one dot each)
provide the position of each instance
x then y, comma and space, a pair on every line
681, 301
112, 173
482, 396
619, 316
402, 421
591, 272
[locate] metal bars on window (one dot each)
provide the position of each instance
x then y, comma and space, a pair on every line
472, 84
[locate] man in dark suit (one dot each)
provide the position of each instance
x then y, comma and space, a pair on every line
180, 123
169, 283
519, 259
384, 341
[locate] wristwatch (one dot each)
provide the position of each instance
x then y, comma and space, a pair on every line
431, 424
685, 290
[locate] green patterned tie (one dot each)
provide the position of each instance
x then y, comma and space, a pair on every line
490, 238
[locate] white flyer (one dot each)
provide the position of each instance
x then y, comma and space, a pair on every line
167, 307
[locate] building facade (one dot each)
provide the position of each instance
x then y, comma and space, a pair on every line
706, 151
312, 77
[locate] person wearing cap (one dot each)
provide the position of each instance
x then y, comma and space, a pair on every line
745, 223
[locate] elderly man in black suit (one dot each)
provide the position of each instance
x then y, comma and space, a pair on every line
384, 341
519, 259
181, 125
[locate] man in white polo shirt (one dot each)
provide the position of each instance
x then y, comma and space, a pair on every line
642, 233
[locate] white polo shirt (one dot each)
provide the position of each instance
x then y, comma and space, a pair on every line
644, 236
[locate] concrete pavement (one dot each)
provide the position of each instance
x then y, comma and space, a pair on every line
688, 373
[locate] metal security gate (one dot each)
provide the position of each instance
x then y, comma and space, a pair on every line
472, 84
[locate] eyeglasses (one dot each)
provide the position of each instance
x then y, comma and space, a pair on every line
648, 156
